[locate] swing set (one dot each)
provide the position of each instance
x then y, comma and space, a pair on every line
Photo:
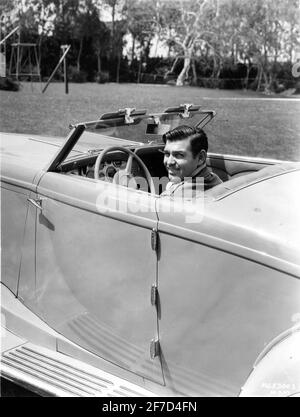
25, 62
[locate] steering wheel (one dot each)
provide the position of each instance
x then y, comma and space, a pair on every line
123, 176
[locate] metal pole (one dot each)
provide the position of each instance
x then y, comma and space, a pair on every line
11, 61
65, 71
66, 76
10, 33
56, 68
18, 62
37, 64
18, 55
30, 69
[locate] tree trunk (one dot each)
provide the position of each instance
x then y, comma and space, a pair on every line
219, 69
113, 28
232, 53
174, 65
215, 70
133, 49
98, 62
259, 78
40, 51
291, 43
147, 51
139, 70
267, 82
248, 63
169, 50
118, 67
195, 78
247, 77
113, 19
184, 72
79, 54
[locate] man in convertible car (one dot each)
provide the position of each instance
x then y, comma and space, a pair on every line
185, 160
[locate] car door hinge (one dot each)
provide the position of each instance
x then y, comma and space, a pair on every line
154, 239
154, 294
154, 348
36, 202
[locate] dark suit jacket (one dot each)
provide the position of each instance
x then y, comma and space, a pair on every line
191, 187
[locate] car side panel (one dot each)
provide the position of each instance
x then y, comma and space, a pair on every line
217, 313
220, 302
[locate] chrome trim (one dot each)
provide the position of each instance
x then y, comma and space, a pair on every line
37, 203
154, 239
154, 348
278, 339
153, 298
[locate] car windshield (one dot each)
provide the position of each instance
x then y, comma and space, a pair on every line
136, 127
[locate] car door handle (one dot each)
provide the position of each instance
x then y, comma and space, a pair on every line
37, 203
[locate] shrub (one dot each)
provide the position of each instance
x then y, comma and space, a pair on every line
277, 87
76, 76
208, 82
102, 77
297, 90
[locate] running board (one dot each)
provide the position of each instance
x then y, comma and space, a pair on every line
50, 373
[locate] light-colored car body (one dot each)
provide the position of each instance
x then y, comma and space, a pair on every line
155, 301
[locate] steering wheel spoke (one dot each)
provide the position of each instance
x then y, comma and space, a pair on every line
124, 177
128, 168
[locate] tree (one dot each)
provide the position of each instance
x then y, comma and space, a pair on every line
118, 31
114, 6
190, 27
141, 24
262, 36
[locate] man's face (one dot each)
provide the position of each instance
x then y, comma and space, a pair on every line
179, 160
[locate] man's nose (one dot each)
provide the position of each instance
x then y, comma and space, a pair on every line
170, 160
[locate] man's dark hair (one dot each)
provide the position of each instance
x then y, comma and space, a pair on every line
198, 138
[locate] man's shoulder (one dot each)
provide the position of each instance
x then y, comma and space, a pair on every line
191, 187
210, 179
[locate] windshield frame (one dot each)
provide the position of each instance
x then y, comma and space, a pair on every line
123, 118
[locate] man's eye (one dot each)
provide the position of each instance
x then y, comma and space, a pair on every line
178, 155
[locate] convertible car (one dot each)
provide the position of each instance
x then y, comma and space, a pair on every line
110, 287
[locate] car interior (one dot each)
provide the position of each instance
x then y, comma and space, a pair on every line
226, 168
145, 159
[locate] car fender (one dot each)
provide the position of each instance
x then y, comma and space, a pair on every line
276, 372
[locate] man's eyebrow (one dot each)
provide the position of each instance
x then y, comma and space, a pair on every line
164, 151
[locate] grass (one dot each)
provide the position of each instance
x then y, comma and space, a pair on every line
247, 123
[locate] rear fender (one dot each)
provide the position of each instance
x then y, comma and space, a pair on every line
276, 372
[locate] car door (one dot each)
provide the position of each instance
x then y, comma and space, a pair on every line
95, 268
16, 189
217, 309
14, 209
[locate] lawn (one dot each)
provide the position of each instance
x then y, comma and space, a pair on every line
247, 123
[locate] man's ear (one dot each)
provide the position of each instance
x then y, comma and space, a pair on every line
202, 157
